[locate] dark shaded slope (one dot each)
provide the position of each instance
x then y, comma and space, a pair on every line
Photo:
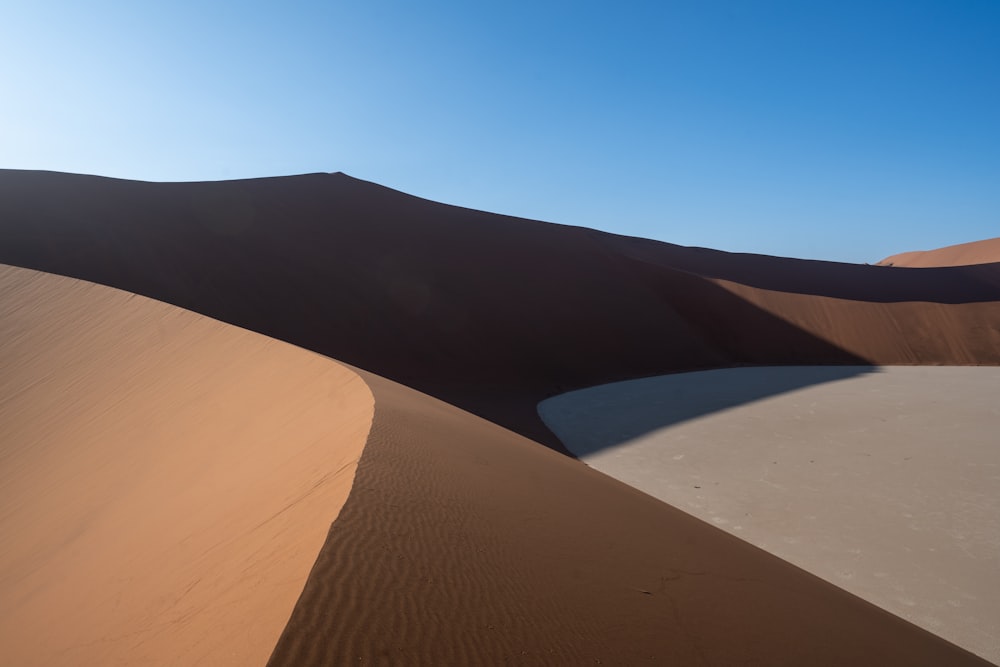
826, 329
487, 312
856, 282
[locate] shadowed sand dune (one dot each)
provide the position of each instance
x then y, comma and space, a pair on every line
881, 481
463, 543
963, 254
166, 480
855, 282
487, 312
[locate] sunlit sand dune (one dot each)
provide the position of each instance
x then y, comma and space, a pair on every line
881, 481
963, 254
166, 480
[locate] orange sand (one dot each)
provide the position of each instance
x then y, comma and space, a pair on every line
167, 480
963, 254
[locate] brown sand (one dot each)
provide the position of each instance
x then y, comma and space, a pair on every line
926, 333
882, 482
487, 312
936, 317
464, 544
166, 480
963, 254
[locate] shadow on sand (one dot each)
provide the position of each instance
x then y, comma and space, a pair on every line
607, 415
859, 282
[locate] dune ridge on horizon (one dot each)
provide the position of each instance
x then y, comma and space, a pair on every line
484, 311
986, 251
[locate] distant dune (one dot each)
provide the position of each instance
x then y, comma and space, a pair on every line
463, 540
167, 480
963, 254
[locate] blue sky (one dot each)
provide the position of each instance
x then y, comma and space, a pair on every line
833, 130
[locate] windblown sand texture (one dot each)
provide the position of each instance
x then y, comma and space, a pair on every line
963, 254
464, 540
463, 543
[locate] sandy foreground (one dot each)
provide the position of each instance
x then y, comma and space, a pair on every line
882, 481
166, 481
464, 544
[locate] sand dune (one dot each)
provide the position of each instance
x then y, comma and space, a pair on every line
912, 332
963, 254
836, 311
170, 480
487, 312
881, 481
167, 480
463, 543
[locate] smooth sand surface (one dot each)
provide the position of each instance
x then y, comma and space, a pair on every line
963, 254
166, 480
909, 332
465, 544
883, 481
487, 312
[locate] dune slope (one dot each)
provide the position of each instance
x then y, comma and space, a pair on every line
836, 311
461, 542
962, 254
487, 312
464, 543
882, 481
166, 480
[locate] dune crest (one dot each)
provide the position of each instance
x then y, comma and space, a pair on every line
169, 478
962, 254
487, 312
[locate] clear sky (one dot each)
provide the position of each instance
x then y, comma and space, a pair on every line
844, 130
